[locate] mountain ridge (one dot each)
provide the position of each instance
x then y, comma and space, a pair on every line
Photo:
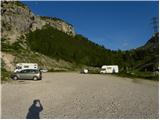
53, 44
18, 19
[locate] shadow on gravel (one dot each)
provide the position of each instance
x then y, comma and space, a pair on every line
34, 110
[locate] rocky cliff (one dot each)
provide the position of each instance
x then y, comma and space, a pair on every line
17, 19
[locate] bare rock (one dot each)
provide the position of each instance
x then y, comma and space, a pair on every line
17, 19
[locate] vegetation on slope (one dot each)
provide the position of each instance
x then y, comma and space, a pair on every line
79, 50
59, 45
5, 75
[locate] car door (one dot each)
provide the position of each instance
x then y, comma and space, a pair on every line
22, 74
31, 74
25, 74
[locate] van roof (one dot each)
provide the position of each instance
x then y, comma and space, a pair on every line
104, 66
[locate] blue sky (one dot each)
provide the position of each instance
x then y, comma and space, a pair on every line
116, 25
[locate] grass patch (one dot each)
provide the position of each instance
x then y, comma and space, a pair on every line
139, 74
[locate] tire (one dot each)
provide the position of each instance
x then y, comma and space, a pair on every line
15, 78
35, 78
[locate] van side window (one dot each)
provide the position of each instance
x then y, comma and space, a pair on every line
32, 71
24, 71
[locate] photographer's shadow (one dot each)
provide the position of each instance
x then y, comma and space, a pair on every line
34, 110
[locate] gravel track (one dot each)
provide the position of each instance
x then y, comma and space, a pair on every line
74, 95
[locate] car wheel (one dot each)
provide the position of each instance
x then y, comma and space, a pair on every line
35, 78
15, 78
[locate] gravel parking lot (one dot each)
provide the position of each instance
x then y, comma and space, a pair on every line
74, 95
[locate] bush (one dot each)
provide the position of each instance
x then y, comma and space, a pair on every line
5, 75
138, 74
57, 70
7, 47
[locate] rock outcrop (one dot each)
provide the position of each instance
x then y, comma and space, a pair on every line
8, 60
17, 19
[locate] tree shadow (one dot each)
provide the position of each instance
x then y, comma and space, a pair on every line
34, 110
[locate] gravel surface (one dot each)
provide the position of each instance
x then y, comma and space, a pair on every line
74, 95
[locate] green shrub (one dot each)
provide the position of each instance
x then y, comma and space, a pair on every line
5, 75
7, 47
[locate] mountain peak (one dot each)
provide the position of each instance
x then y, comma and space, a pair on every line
18, 19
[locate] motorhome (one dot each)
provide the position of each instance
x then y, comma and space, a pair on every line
109, 69
22, 66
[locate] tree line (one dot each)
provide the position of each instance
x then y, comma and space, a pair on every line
80, 50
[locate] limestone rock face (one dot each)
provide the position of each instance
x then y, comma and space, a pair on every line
60, 25
17, 19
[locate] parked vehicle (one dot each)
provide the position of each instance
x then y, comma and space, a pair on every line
34, 74
84, 71
22, 66
109, 69
43, 70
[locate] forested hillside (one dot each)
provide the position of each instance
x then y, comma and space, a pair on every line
59, 45
80, 50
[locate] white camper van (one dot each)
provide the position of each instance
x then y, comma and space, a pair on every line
21, 66
109, 69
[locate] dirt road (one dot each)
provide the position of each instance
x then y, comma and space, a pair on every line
74, 95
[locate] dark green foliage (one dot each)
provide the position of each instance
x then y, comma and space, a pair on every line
5, 75
139, 74
7, 47
146, 58
80, 50
59, 45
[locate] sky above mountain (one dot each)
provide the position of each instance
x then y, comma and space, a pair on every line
116, 25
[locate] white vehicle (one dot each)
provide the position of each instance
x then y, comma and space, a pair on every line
85, 71
109, 69
22, 66
43, 70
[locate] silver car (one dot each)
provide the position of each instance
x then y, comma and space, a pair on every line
34, 74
